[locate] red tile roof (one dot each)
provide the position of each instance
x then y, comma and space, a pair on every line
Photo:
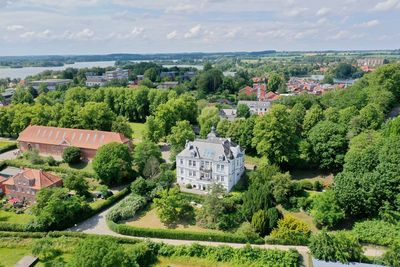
2, 179
90, 139
40, 178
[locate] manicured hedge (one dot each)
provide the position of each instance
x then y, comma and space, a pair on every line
126, 208
178, 234
15, 227
8, 147
377, 232
245, 256
19, 164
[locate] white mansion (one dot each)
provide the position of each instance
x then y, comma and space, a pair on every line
204, 162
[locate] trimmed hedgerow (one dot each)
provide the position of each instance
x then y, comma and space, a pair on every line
242, 256
8, 147
377, 232
178, 234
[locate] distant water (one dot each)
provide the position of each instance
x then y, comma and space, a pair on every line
28, 71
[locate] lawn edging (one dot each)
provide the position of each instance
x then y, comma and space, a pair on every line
178, 234
8, 147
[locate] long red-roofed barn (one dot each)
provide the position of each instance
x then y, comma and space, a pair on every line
53, 140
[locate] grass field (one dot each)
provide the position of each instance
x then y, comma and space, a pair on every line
12, 217
138, 131
149, 219
83, 166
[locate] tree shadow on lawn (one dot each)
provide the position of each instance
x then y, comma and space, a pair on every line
79, 166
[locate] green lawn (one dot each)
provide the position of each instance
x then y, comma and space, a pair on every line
138, 131
83, 166
149, 219
10, 256
310, 175
12, 217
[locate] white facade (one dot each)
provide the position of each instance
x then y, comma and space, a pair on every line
204, 162
257, 107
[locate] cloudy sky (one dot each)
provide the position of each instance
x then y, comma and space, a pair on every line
31, 27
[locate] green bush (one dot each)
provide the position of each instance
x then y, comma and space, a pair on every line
377, 232
109, 201
291, 231
127, 208
178, 234
246, 255
247, 231
391, 257
8, 147
72, 155
340, 247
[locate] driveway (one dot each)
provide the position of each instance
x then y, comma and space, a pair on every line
9, 154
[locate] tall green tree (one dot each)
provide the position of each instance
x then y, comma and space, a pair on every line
208, 118
180, 133
113, 163
274, 135
145, 151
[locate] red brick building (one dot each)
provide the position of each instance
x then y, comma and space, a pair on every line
28, 182
53, 140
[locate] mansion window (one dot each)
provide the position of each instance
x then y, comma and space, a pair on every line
181, 161
182, 171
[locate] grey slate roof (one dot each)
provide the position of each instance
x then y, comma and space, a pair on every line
213, 148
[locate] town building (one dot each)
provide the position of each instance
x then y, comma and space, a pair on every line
257, 107
6, 96
167, 85
95, 80
51, 84
53, 140
25, 185
228, 113
118, 74
205, 162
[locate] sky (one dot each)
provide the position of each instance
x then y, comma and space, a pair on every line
49, 27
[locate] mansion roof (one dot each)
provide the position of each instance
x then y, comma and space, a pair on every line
213, 148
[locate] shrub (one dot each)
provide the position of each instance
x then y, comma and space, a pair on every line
72, 155
33, 156
377, 232
142, 186
264, 221
335, 247
318, 186
391, 257
44, 249
247, 231
142, 254
127, 208
188, 186
246, 256
326, 211
291, 231
50, 161
305, 185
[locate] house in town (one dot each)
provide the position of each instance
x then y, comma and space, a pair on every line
257, 107
228, 113
53, 140
167, 85
51, 84
24, 185
6, 96
204, 162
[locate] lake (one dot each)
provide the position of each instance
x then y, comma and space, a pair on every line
22, 73
28, 71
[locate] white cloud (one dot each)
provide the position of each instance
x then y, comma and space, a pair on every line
36, 35
181, 8
172, 35
368, 24
194, 32
232, 33
13, 28
297, 11
387, 5
84, 34
323, 11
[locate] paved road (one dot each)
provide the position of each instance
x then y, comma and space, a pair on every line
9, 155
